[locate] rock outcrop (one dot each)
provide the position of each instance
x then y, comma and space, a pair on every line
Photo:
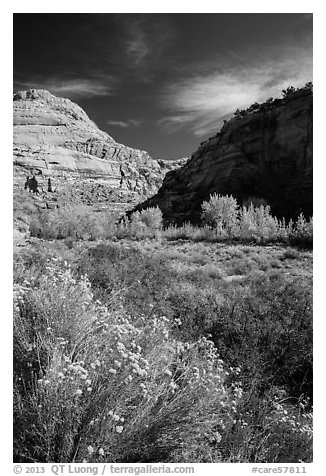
266, 154
54, 138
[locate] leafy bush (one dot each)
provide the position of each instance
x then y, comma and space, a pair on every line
257, 223
141, 225
77, 222
253, 222
151, 217
302, 233
220, 212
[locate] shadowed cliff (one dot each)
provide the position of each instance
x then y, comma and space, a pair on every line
267, 153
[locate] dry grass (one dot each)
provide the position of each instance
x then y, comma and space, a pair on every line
234, 259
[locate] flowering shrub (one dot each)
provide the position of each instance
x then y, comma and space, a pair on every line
288, 428
269, 430
134, 380
92, 385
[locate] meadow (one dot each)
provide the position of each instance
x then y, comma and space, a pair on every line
138, 343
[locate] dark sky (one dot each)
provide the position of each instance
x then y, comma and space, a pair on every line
162, 82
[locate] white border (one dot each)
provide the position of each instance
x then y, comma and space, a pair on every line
168, 6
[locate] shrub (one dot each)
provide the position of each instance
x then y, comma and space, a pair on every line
76, 222
301, 234
151, 217
187, 231
25, 209
290, 254
144, 224
221, 212
252, 222
74, 356
257, 223
91, 385
288, 91
138, 280
269, 429
259, 329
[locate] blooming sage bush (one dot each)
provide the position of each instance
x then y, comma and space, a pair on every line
95, 384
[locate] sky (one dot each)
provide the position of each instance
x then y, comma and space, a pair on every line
162, 82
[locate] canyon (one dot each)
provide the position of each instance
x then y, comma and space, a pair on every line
264, 153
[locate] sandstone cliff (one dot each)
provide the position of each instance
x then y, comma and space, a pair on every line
266, 154
54, 138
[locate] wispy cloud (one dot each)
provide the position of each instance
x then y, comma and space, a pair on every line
201, 102
136, 43
127, 123
73, 88
146, 38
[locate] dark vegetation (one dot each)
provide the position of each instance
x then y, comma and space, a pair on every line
287, 94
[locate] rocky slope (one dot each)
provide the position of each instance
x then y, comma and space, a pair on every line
54, 138
266, 154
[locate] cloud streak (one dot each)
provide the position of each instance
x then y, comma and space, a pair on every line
145, 39
200, 102
136, 43
127, 123
75, 88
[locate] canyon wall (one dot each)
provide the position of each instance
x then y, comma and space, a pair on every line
266, 154
54, 138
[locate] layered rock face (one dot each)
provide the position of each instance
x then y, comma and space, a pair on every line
266, 154
54, 138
